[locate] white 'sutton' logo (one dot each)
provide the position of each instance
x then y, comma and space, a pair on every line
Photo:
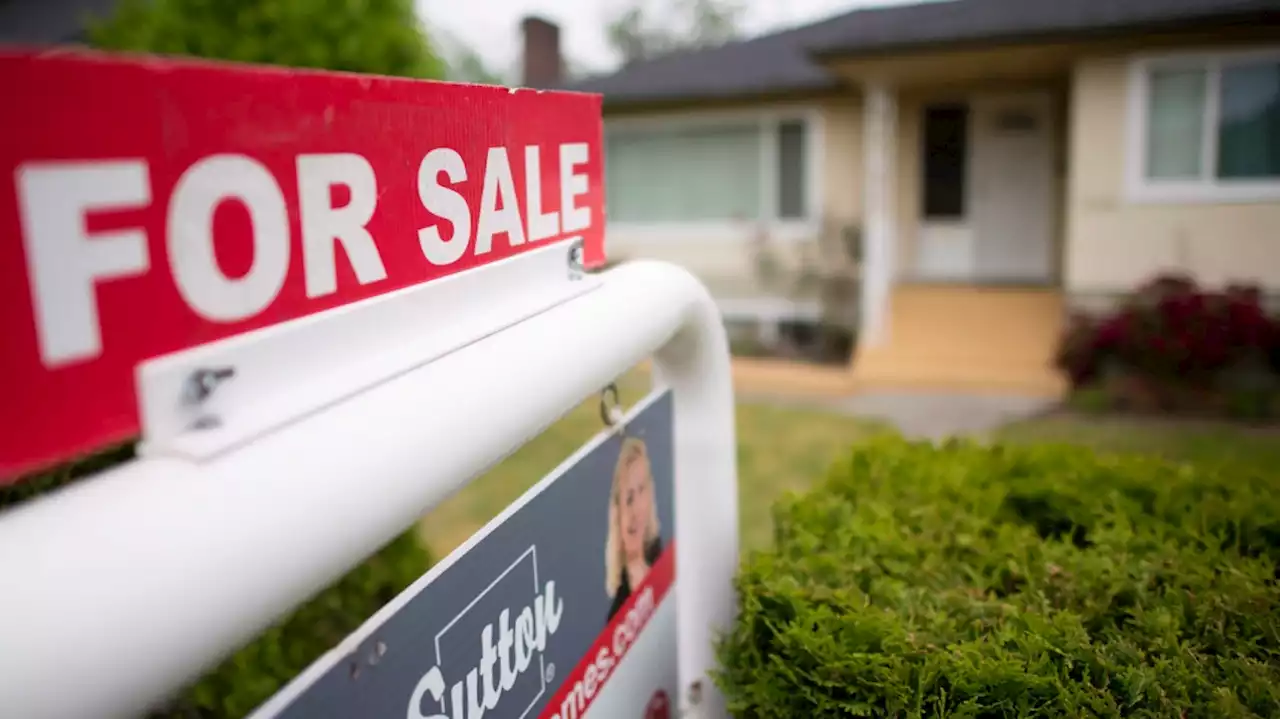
507, 651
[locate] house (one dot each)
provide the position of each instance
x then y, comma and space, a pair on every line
1006, 161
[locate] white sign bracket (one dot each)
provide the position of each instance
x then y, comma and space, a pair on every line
196, 547
202, 401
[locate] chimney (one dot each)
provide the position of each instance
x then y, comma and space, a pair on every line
542, 63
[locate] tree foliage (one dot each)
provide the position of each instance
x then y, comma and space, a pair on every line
370, 36
642, 31
468, 66
464, 63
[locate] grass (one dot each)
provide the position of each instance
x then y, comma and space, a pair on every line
1177, 439
789, 449
779, 449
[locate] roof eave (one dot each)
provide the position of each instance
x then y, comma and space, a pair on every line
664, 102
826, 54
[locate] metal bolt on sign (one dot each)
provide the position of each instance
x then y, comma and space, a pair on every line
374, 656
199, 387
610, 406
379, 650
577, 260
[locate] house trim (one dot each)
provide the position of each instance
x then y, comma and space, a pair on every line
615, 106
832, 53
1208, 189
769, 310
880, 170
741, 231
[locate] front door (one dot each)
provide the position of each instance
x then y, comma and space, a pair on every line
944, 249
1013, 188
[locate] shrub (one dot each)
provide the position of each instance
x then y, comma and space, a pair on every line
1171, 329
966, 581
260, 669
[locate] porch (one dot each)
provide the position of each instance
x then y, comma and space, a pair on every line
963, 203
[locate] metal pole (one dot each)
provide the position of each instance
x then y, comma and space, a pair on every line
121, 589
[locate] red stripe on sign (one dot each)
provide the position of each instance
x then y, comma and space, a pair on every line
584, 683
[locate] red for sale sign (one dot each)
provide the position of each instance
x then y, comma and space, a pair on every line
150, 205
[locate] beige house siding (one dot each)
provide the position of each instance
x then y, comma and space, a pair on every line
979, 336
1114, 243
842, 160
1106, 242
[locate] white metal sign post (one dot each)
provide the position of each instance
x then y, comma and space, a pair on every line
275, 459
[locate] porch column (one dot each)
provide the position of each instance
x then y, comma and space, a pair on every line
879, 107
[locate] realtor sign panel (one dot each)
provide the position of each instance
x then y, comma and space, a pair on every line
149, 206
563, 607
355, 258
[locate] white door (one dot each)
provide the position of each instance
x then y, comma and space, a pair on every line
944, 243
1013, 187
944, 250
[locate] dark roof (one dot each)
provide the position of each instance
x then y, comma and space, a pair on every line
777, 62
785, 62
49, 21
976, 20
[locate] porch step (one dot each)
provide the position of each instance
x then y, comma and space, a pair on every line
940, 373
781, 377
968, 338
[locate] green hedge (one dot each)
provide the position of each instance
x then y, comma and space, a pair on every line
251, 675
965, 581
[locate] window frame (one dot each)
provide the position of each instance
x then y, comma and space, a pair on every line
1208, 188
767, 122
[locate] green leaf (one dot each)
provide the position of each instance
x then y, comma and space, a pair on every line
381, 37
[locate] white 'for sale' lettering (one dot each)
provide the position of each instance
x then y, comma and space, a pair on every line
67, 263
499, 207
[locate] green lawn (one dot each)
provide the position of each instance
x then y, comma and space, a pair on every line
779, 449
783, 449
1190, 440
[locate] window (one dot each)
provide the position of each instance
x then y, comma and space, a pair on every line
792, 141
741, 170
946, 141
1210, 127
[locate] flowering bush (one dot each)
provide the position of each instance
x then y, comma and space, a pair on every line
1173, 330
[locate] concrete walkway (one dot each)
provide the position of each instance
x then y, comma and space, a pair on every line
931, 416
938, 416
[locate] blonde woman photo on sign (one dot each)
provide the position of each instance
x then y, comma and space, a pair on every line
633, 543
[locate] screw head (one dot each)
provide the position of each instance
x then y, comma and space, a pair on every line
206, 421
204, 381
577, 260
695, 692
375, 656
